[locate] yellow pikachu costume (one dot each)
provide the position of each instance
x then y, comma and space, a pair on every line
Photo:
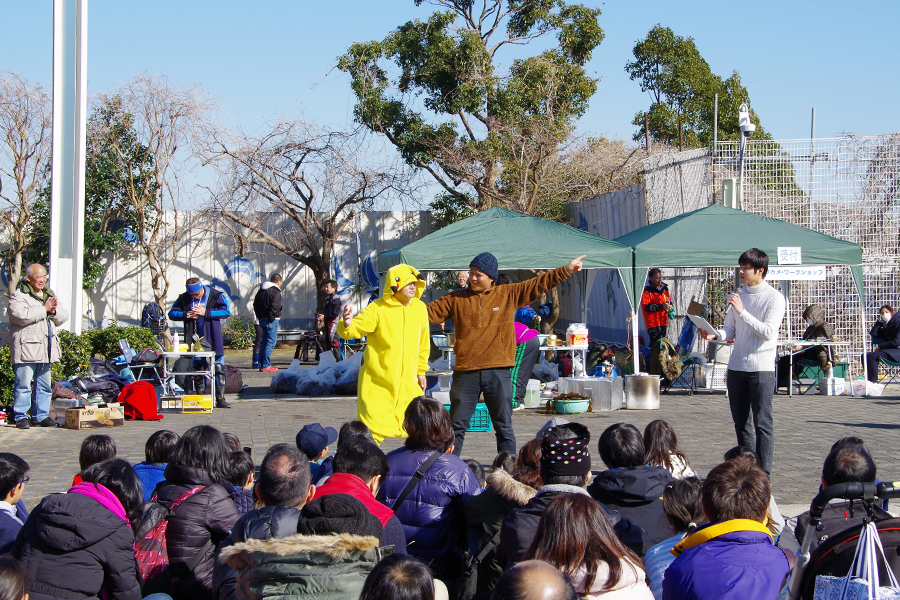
396, 353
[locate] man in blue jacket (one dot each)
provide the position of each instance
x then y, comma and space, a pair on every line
733, 556
202, 308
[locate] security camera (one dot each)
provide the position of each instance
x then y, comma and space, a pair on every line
744, 122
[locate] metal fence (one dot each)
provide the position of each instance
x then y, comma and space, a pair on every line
846, 187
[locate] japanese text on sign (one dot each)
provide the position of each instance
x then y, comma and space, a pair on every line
789, 255
794, 273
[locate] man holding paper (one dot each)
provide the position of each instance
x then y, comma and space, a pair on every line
752, 320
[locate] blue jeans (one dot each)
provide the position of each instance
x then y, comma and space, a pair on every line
750, 395
25, 374
270, 334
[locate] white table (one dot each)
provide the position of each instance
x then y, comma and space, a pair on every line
583, 350
787, 348
209, 372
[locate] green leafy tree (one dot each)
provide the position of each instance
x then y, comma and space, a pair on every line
436, 91
682, 89
107, 214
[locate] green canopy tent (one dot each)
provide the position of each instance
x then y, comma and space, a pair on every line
715, 236
519, 241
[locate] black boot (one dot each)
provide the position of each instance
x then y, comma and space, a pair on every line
220, 387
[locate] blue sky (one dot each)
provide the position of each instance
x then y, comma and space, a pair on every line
276, 56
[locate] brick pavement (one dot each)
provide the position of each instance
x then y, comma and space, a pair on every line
805, 428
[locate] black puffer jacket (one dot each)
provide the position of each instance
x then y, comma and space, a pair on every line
72, 546
636, 492
520, 526
207, 516
259, 524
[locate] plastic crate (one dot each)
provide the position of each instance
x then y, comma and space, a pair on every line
715, 374
481, 418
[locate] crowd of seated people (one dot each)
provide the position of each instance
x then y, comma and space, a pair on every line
356, 523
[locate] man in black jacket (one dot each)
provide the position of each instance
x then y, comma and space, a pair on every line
284, 488
565, 469
845, 463
267, 306
331, 310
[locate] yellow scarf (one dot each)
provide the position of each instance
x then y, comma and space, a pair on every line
714, 531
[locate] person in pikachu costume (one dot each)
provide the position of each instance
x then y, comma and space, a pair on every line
396, 355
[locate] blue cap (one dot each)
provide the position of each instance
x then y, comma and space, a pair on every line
313, 438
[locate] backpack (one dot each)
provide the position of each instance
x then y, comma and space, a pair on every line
151, 549
664, 360
153, 318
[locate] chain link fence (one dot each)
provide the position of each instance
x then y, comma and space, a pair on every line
846, 187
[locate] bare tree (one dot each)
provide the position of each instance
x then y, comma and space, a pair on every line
164, 121
590, 167
297, 187
25, 127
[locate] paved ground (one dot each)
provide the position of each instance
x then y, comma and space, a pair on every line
806, 426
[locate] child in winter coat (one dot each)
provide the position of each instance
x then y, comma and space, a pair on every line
396, 355
13, 476
79, 544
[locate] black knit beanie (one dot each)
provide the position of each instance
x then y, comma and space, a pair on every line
338, 513
487, 263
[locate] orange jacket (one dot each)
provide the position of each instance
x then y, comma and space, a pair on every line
653, 303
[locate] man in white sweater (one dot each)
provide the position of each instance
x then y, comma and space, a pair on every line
752, 320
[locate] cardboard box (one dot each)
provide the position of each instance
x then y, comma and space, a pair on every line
186, 404
95, 417
695, 308
170, 402
197, 404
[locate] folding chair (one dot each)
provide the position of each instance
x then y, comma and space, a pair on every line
686, 377
886, 362
810, 384
139, 370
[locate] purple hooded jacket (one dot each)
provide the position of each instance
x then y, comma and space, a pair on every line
739, 565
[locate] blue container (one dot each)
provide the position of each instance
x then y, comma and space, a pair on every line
572, 407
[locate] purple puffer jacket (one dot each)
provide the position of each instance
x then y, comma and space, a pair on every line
432, 515
737, 565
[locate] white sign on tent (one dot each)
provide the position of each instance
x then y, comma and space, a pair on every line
796, 273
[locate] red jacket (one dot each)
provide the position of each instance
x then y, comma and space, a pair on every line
345, 483
653, 303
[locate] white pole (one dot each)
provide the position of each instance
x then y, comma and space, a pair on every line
68, 162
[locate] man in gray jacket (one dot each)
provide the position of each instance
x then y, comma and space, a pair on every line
34, 315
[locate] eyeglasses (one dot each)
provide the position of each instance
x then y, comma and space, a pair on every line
26, 480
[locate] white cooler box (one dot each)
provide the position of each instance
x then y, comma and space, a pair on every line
606, 393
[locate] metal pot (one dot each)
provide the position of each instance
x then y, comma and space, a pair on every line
642, 392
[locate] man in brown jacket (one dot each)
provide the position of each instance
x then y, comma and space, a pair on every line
485, 348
